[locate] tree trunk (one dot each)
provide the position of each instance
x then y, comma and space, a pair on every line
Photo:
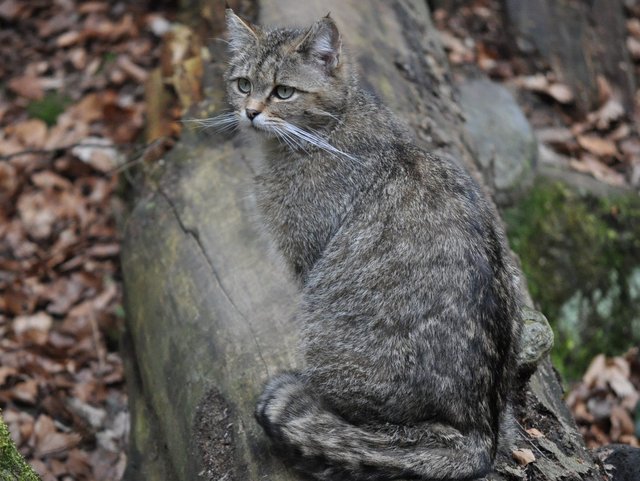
210, 313
580, 41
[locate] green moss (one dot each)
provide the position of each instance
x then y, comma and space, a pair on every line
581, 257
49, 107
12, 465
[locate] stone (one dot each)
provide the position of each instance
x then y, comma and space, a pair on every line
621, 462
502, 139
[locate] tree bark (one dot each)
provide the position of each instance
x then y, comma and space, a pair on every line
209, 312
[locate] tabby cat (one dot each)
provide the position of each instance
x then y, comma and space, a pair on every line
409, 314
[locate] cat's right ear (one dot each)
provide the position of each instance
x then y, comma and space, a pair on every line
242, 34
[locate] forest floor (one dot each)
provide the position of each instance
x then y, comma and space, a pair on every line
78, 105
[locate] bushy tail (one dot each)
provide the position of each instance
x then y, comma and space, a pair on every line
329, 448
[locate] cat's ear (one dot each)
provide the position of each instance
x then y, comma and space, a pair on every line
323, 43
242, 34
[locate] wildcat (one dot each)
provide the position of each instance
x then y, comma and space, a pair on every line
409, 313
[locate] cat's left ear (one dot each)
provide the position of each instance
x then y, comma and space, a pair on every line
323, 42
242, 34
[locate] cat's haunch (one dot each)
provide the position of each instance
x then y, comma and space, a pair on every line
409, 315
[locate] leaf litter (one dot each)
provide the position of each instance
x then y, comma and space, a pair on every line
73, 108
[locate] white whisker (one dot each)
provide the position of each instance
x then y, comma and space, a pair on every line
224, 122
324, 112
316, 140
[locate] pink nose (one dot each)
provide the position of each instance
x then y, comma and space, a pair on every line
252, 114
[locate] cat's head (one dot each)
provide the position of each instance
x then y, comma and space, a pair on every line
279, 78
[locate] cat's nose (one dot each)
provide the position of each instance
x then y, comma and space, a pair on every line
251, 113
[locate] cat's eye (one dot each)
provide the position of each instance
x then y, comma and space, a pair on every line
284, 92
244, 85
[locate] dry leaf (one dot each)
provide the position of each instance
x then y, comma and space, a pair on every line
34, 328
69, 38
633, 27
26, 391
633, 45
10, 10
597, 145
537, 83
134, 71
99, 153
49, 441
590, 165
609, 113
621, 423
5, 373
621, 132
604, 89
523, 456
561, 93
30, 133
27, 86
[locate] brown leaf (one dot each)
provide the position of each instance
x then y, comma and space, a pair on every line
48, 180
27, 86
104, 250
622, 131
78, 464
590, 165
523, 456
49, 441
10, 10
621, 423
30, 133
42, 470
99, 153
537, 83
64, 293
93, 7
633, 27
37, 213
26, 391
8, 182
609, 113
134, 71
68, 38
633, 45
34, 328
5, 373
597, 145
561, 93
604, 89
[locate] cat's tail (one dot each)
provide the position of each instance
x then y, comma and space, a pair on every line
328, 447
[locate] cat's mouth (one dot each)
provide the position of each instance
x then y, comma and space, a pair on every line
264, 125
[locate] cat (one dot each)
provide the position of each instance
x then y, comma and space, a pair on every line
409, 310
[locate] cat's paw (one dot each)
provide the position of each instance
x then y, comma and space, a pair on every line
275, 399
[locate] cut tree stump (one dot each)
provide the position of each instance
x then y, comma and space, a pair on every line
209, 312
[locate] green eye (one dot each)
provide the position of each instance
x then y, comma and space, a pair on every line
244, 85
284, 92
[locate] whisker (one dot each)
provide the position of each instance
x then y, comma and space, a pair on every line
317, 140
291, 140
222, 123
324, 112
